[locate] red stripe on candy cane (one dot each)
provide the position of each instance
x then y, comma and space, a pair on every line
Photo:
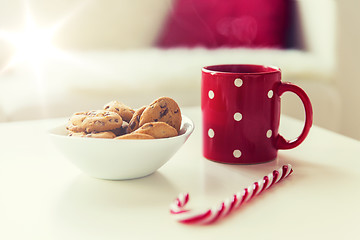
177, 208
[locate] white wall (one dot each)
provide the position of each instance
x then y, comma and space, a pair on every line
82, 29
126, 24
348, 68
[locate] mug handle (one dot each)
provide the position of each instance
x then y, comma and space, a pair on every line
281, 142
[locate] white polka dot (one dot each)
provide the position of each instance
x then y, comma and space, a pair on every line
238, 82
237, 153
269, 133
211, 94
211, 133
237, 116
270, 94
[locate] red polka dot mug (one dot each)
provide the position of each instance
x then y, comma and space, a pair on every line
241, 113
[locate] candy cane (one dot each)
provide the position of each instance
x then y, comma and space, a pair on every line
177, 208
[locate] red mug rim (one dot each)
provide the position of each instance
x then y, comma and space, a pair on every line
247, 69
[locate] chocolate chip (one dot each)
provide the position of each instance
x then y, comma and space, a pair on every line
155, 120
116, 120
107, 107
117, 109
163, 104
132, 125
163, 113
176, 111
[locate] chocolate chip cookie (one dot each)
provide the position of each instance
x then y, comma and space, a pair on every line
124, 111
157, 130
135, 120
108, 134
94, 121
135, 136
163, 109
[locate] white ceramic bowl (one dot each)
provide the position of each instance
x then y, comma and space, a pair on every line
119, 159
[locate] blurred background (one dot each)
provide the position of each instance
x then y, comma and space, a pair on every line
62, 56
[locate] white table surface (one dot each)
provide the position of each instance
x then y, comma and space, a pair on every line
43, 196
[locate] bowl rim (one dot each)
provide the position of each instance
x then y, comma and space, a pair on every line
53, 132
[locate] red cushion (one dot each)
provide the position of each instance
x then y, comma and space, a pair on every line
226, 23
